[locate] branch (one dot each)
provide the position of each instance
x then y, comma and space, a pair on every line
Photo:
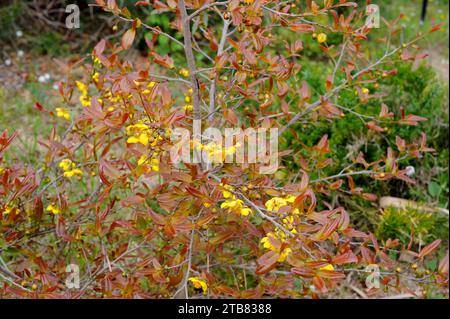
185, 21
212, 91
207, 6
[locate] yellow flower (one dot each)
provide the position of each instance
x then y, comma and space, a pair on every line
2, 170
184, 72
141, 133
275, 204
153, 162
188, 107
141, 138
199, 284
85, 101
62, 112
53, 209
232, 204
321, 38
248, 1
66, 164
95, 76
73, 172
82, 87
142, 160
327, 267
96, 60
151, 84
226, 192
69, 168
136, 127
284, 254
245, 211
237, 206
290, 199
266, 241
230, 151
84, 98
187, 99
365, 90
8, 209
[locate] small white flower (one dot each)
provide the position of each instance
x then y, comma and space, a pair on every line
55, 87
19, 33
20, 53
410, 170
47, 76
8, 62
41, 79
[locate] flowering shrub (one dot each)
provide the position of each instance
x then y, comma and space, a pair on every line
110, 199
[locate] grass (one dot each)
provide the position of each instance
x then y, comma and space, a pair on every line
18, 113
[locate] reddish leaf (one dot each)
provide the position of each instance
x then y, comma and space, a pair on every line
267, 262
429, 248
128, 38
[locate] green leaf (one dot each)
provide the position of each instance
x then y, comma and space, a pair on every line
434, 189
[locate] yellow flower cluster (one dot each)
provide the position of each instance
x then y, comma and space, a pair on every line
95, 76
97, 61
184, 72
188, 99
113, 99
276, 203
232, 203
85, 100
69, 168
151, 163
321, 37
288, 221
280, 236
141, 133
52, 208
62, 112
236, 205
199, 284
248, 1
328, 267
215, 152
